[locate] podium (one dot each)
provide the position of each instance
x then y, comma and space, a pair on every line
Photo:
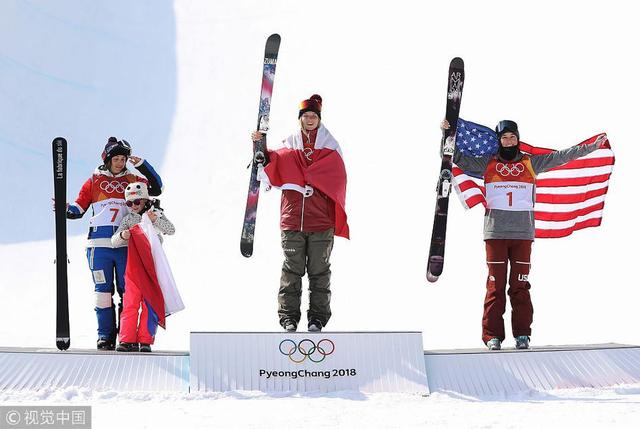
484, 373
323, 362
308, 362
34, 369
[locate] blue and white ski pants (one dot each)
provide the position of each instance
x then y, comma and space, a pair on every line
107, 267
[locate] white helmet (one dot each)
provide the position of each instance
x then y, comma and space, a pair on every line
136, 191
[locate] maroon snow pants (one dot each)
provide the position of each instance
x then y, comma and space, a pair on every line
517, 254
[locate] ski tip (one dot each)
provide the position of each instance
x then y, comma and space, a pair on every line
272, 46
434, 267
457, 63
246, 251
431, 278
63, 343
59, 140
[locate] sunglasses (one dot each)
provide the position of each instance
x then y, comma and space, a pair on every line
135, 202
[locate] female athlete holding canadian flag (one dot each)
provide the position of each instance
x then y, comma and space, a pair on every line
103, 193
311, 173
509, 226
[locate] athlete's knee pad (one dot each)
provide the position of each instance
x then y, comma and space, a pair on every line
103, 300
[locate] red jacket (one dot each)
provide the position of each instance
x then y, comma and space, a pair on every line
311, 214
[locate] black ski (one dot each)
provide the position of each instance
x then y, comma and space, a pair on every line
60, 195
438, 235
259, 147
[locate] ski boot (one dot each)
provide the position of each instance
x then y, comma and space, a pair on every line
522, 342
106, 344
315, 325
145, 348
290, 325
127, 347
494, 344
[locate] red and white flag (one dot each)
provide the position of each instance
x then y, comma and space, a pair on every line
568, 198
148, 268
287, 169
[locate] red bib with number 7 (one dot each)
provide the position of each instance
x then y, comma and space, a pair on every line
510, 185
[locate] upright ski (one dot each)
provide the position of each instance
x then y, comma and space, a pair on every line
438, 235
60, 195
259, 147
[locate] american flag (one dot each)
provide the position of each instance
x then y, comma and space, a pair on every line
568, 198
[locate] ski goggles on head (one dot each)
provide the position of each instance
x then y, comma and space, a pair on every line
507, 126
135, 202
117, 147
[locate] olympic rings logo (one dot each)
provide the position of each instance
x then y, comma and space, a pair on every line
307, 151
509, 170
111, 187
306, 348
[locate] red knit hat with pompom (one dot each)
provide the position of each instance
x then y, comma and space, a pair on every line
313, 104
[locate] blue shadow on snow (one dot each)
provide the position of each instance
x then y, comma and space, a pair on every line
84, 71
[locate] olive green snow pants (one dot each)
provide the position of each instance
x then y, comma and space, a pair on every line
310, 251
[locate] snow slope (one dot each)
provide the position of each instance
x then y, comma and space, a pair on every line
610, 408
85, 72
381, 70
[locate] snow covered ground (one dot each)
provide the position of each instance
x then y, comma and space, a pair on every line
605, 408
181, 81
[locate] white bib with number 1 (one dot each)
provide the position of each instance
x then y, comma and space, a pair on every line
513, 196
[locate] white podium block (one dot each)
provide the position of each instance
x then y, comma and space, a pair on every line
483, 373
34, 369
308, 362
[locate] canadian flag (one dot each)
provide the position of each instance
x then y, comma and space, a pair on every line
287, 169
148, 268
